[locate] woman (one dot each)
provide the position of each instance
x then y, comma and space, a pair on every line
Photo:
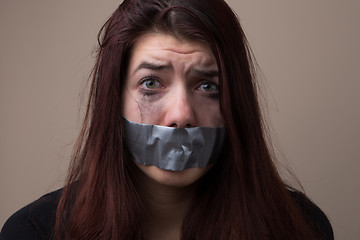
179, 70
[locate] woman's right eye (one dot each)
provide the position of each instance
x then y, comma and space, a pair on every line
150, 83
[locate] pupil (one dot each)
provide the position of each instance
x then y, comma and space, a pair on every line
207, 87
150, 84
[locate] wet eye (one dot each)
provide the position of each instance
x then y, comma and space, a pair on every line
208, 87
150, 83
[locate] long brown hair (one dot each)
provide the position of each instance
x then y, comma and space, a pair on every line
241, 197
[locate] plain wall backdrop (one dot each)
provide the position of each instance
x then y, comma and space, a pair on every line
308, 52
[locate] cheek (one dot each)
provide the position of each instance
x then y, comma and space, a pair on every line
131, 109
150, 110
209, 114
140, 109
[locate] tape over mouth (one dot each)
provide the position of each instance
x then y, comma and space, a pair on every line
173, 149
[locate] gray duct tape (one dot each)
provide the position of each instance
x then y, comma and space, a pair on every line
174, 149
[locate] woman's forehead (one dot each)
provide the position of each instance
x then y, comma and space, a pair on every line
163, 50
160, 39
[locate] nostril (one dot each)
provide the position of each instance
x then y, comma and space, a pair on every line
176, 126
173, 125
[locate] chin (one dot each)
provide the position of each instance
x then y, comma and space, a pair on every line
173, 178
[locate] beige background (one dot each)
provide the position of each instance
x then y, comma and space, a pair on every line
308, 52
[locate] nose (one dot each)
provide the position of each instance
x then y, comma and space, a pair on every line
179, 111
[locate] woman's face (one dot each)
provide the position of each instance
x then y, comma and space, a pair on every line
174, 83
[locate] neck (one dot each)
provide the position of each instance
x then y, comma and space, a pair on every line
166, 207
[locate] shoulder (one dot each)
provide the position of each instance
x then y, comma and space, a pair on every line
314, 215
34, 221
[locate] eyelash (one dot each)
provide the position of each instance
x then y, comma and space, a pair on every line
212, 84
148, 91
151, 91
212, 94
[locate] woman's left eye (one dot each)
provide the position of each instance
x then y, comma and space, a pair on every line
208, 87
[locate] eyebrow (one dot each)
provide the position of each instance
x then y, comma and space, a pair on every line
206, 73
151, 66
158, 67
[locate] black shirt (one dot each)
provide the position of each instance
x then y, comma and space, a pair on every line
36, 221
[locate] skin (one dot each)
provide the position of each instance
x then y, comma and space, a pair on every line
170, 82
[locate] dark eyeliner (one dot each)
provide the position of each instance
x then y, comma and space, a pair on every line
148, 92
213, 95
